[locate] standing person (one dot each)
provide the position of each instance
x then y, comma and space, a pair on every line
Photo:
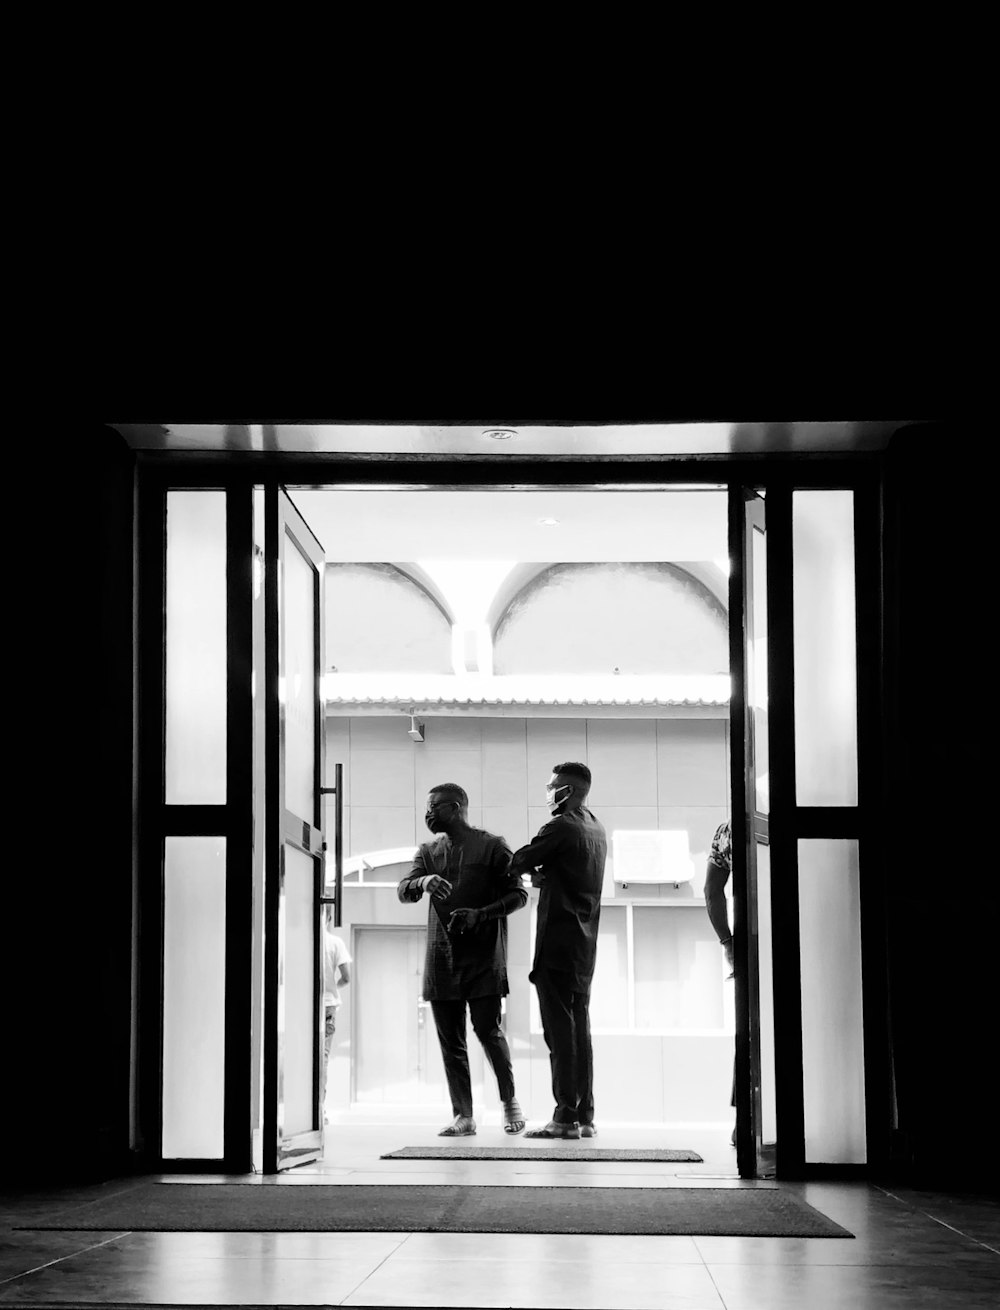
566, 860
336, 974
466, 874
717, 872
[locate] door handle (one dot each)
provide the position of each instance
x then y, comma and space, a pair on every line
338, 842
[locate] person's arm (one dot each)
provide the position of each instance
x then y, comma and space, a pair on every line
542, 847
716, 877
345, 974
420, 880
512, 894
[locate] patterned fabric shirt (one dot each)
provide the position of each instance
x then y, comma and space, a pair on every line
722, 847
478, 868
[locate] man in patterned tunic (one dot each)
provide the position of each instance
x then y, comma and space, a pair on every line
465, 872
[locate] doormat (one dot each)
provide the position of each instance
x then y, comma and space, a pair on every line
540, 1153
415, 1208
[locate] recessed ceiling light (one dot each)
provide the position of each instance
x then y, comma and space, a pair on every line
500, 434
548, 523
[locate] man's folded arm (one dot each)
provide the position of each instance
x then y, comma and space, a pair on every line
542, 846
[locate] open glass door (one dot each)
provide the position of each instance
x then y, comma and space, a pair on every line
757, 1147
294, 844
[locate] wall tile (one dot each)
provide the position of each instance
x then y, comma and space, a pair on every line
435, 767
375, 828
452, 733
505, 780
381, 777
509, 822
380, 732
698, 1078
552, 741
504, 731
628, 1083
692, 762
621, 754
634, 817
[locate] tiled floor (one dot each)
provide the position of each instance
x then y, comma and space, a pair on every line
911, 1251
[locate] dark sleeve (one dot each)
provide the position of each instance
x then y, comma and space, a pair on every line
716, 878
543, 846
513, 895
409, 888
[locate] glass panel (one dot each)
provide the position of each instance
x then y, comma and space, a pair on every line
757, 662
678, 979
609, 989
833, 1074
194, 997
196, 648
826, 692
769, 1124
299, 683
298, 952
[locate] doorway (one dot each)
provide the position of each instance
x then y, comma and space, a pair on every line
450, 657
823, 836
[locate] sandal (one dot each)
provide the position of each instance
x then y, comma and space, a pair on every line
462, 1127
513, 1117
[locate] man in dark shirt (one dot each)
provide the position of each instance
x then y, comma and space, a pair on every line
466, 874
566, 860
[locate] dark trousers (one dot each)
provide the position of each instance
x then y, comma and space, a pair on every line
449, 1017
566, 1025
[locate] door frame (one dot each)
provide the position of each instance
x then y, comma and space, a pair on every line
239, 472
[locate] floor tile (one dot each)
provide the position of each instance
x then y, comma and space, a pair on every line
595, 1284
194, 1281
830, 1287
544, 1249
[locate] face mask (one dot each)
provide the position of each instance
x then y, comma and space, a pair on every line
553, 799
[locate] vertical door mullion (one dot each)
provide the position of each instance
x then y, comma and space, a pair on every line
239, 826
745, 1154
790, 1160
274, 825
872, 864
152, 712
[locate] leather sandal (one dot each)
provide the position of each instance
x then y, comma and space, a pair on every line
461, 1127
588, 1130
513, 1117
562, 1132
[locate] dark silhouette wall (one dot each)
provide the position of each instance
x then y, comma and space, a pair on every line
941, 876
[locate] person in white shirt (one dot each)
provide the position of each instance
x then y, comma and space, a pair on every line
336, 974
